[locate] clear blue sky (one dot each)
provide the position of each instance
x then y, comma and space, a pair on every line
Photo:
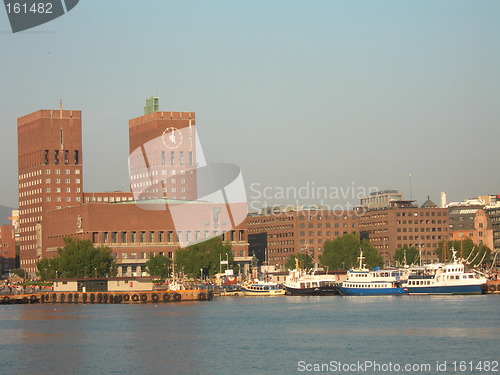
335, 93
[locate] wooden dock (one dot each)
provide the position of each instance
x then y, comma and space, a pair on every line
108, 297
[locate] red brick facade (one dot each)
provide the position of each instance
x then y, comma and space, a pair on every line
8, 248
284, 234
53, 205
50, 174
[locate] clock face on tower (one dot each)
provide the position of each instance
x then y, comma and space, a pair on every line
172, 137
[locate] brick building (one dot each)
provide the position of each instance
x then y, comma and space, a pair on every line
471, 222
275, 235
7, 249
133, 224
405, 224
162, 149
49, 174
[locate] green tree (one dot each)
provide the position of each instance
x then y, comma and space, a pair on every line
19, 272
204, 256
410, 253
159, 265
305, 261
466, 249
48, 268
78, 258
343, 253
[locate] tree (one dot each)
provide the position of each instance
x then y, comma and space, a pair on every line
48, 268
343, 253
78, 258
406, 255
159, 265
19, 272
204, 256
305, 261
465, 249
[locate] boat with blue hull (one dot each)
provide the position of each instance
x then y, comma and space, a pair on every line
365, 282
445, 278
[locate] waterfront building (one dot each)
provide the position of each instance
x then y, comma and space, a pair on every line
471, 222
135, 224
50, 177
494, 216
404, 223
7, 249
380, 200
278, 232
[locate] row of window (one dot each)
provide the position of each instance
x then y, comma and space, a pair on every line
59, 199
66, 171
431, 213
59, 190
404, 238
66, 180
416, 230
60, 156
108, 199
418, 245
162, 236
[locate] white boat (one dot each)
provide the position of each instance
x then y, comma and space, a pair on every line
298, 282
445, 278
262, 288
364, 282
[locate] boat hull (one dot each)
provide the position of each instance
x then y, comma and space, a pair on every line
350, 291
277, 292
318, 291
445, 289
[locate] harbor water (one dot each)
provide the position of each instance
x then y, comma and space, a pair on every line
256, 335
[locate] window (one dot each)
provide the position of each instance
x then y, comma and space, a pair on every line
172, 158
181, 157
76, 157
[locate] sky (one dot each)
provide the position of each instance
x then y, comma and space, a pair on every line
316, 101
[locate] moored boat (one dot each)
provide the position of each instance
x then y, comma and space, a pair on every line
300, 283
365, 282
262, 288
445, 278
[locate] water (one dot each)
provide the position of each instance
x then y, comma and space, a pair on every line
254, 335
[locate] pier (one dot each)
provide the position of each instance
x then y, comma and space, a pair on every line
493, 287
136, 297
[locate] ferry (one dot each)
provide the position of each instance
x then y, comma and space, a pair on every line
363, 282
300, 283
262, 288
445, 278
